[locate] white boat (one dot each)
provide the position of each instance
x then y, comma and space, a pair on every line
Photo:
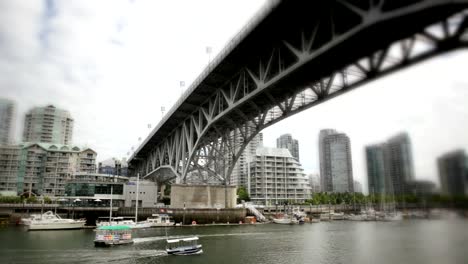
158, 220
122, 221
51, 221
184, 246
285, 220
337, 216
358, 217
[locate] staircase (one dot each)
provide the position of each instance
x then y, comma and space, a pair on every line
260, 217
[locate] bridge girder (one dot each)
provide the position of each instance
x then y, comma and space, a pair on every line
207, 144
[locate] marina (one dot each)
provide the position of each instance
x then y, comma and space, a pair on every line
326, 242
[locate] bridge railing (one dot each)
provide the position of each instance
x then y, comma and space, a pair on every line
246, 29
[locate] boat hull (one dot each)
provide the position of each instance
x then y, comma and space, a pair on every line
55, 226
185, 251
283, 221
111, 243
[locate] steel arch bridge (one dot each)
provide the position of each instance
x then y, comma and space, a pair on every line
292, 56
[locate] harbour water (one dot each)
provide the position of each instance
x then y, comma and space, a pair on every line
409, 241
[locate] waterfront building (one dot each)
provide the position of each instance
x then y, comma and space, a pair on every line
7, 111
239, 173
453, 173
288, 142
399, 162
41, 168
276, 177
96, 189
335, 162
421, 187
48, 125
375, 161
113, 166
390, 166
148, 193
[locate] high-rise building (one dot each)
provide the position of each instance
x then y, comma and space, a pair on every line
325, 183
288, 142
7, 111
314, 182
390, 166
399, 162
276, 177
376, 179
113, 166
335, 162
239, 173
48, 125
41, 168
453, 173
357, 187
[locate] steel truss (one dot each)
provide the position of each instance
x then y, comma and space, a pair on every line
206, 146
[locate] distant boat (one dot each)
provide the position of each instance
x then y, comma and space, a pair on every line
107, 236
158, 220
284, 221
184, 246
51, 221
122, 221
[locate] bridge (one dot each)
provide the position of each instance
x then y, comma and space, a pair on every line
292, 56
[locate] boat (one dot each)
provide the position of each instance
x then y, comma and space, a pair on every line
113, 235
184, 246
284, 221
122, 221
51, 221
158, 220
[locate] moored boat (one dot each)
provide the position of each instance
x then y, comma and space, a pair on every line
51, 221
158, 220
107, 236
184, 246
284, 221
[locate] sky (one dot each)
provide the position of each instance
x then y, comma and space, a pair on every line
114, 64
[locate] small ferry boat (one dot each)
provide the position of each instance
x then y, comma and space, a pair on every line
107, 236
184, 246
51, 221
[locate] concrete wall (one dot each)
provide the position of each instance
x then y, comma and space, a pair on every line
202, 196
147, 197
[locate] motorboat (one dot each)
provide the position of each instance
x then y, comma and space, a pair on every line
284, 221
158, 220
51, 221
184, 246
113, 235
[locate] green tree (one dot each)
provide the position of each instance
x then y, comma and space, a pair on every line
242, 194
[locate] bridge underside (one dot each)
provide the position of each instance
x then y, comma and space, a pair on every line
299, 55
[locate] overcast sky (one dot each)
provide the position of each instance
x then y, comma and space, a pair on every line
113, 64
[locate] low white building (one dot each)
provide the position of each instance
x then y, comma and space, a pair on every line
276, 177
147, 193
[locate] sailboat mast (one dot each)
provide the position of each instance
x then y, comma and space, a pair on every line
137, 192
110, 211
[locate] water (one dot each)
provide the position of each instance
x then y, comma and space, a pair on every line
416, 241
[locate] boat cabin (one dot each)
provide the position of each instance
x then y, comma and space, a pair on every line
113, 235
184, 246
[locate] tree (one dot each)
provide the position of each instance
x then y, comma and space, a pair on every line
242, 194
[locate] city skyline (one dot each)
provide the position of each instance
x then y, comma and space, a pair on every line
124, 70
